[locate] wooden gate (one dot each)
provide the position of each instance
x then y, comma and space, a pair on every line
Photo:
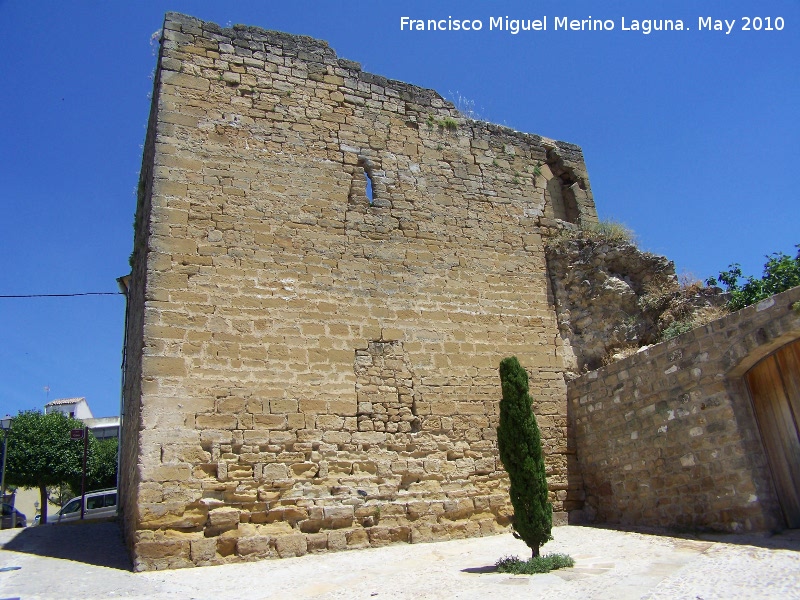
774, 385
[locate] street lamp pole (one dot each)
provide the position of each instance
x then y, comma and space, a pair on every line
5, 423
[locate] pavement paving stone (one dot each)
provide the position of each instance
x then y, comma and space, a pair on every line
89, 561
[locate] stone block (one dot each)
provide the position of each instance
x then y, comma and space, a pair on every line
171, 516
202, 550
329, 422
304, 469
162, 547
342, 408
337, 517
214, 421
357, 538
368, 437
337, 540
164, 366
271, 421
295, 421
222, 519
274, 471
167, 472
317, 542
184, 80
259, 545
163, 187
291, 545
283, 406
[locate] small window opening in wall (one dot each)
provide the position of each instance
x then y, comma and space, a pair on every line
368, 190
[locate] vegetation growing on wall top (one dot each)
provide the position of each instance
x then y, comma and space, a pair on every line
612, 232
781, 272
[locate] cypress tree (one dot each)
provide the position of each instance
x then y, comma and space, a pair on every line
521, 453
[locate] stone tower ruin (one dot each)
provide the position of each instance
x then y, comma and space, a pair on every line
328, 267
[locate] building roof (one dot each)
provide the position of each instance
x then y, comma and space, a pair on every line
62, 401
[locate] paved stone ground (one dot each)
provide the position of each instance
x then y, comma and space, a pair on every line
89, 561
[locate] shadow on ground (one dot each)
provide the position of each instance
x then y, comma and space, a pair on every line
479, 570
97, 544
788, 539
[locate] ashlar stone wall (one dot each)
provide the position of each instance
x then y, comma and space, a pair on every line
311, 362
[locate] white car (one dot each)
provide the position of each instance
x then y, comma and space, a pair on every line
99, 504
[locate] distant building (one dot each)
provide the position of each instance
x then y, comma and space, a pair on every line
76, 408
102, 427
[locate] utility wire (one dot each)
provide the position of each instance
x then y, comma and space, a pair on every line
59, 295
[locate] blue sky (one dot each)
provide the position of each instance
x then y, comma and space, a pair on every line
690, 138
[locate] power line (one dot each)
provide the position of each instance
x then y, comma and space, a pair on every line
59, 295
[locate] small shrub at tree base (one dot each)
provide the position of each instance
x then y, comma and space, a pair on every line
520, 448
532, 566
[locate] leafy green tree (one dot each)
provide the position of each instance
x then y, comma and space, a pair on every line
520, 448
781, 272
41, 453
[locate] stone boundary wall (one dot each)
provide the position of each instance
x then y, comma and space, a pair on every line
312, 367
668, 437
